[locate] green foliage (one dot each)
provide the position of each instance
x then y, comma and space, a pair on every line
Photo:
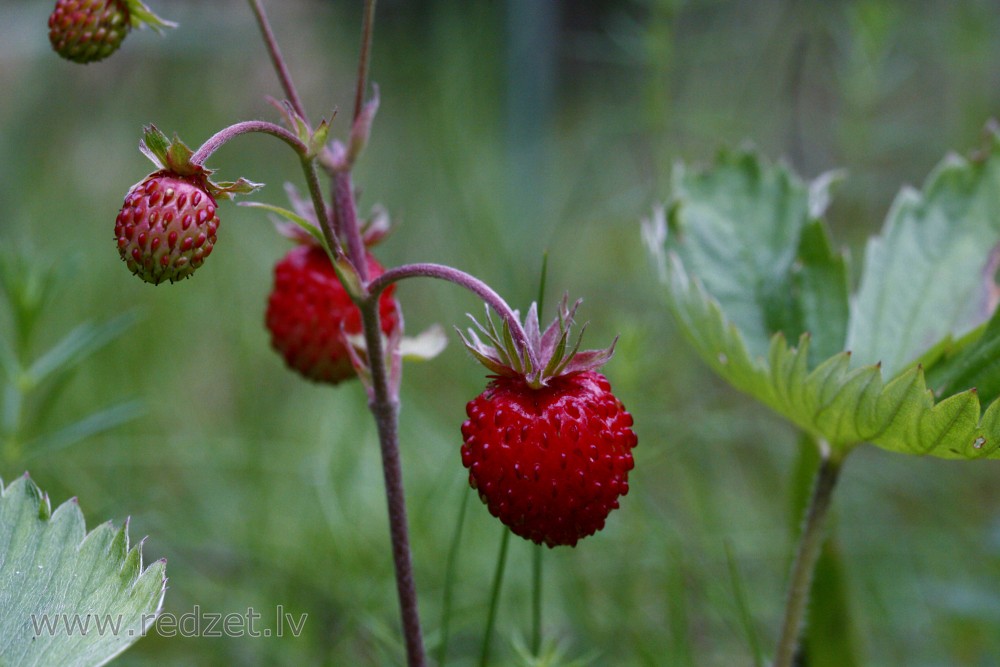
749, 266
58, 584
33, 382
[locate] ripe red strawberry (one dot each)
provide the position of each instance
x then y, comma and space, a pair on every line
309, 311
167, 226
548, 450
86, 31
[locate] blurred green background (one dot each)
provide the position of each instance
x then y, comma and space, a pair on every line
506, 129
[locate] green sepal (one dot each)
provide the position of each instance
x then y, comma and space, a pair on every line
317, 140
141, 16
174, 155
229, 189
314, 140
348, 277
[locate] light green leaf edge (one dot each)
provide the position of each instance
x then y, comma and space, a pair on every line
834, 402
50, 565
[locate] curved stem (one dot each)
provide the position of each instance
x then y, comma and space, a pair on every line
810, 545
462, 279
280, 68
364, 60
384, 406
220, 138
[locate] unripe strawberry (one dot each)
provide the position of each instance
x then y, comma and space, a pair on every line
167, 226
86, 31
309, 312
547, 445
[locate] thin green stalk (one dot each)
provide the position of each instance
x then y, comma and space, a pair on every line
491, 618
810, 544
450, 570
536, 600
743, 607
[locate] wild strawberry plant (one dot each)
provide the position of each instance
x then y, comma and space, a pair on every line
547, 444
906, 363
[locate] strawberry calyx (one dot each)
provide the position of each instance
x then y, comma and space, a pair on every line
174, 156
550, 355
141, 16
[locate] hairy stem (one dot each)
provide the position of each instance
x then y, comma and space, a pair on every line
462, 279
280, 68
223, 136
385, 408
810, 545
364, 60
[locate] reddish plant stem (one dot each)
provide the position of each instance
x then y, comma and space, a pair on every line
346, 216
384, 406
364, 60
383, 401
462, 279
284, 76
223, 136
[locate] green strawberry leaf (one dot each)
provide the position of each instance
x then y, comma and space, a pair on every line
930, 273
748, 230
739, 298
69, 597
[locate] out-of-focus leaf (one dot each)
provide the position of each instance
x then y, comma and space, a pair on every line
77, 345
90, 425
68, 597
929, 273
749, 231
